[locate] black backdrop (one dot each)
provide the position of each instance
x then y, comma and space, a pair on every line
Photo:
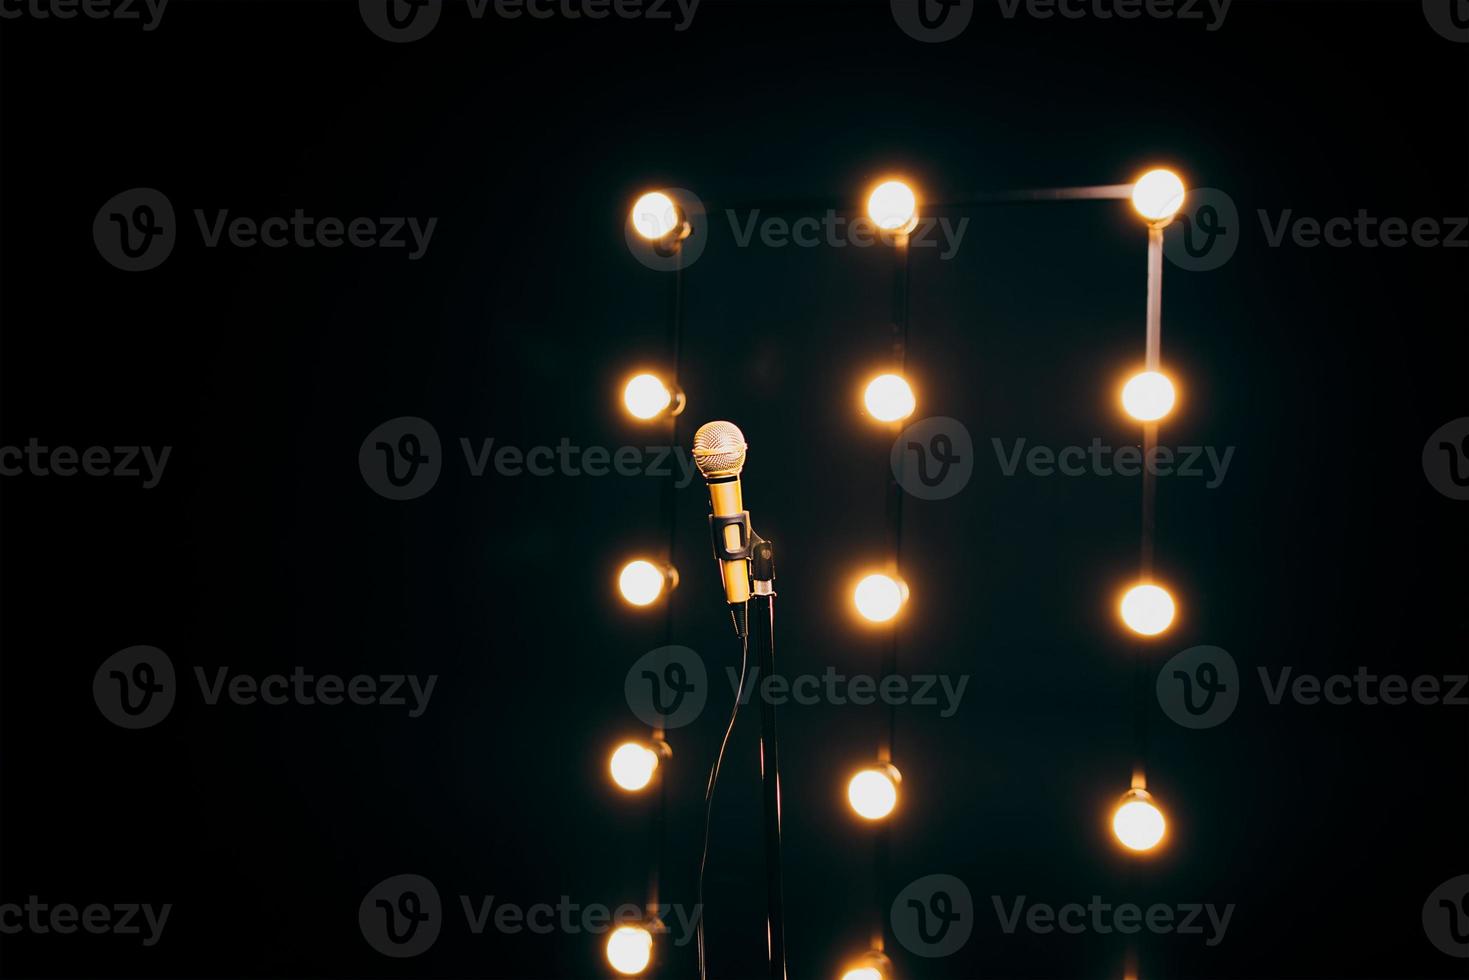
262, 548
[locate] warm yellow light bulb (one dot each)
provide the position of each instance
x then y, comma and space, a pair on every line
1148, 396
1147, 609
630, 949
893, 206
641, 582
1137, 822
889, 398
878, 597
632, 766
655, 215
646, 396
1158, 194
873, 793
871, 965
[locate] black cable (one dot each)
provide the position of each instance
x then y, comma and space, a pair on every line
709, 795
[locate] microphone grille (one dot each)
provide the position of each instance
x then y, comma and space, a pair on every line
719, 449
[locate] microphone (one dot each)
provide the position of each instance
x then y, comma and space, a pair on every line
719, 453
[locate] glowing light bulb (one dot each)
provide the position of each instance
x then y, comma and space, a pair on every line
893, 206
873, 793
1137, 822
889, 398
872, 965
1157, 195
1147, 609
1148, 396
878, 597
632, 766
642, 582
630, 949
646, 396
655, 216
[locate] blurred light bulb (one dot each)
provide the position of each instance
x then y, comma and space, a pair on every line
646, 396
1148, 396
1147, 609
642, 582
1157, 195
871, 965
630, 949
873, 793
878, 597
655, 215
889, 398
632, 766
892, 206
1137, 822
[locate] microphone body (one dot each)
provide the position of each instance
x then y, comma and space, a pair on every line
727, 501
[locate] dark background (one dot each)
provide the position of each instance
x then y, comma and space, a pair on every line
262, 548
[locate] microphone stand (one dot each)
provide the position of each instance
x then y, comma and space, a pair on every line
754, 619
762, 634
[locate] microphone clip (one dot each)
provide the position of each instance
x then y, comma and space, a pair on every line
762, 566
722, 550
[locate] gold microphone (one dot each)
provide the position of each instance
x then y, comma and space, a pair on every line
719, 453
